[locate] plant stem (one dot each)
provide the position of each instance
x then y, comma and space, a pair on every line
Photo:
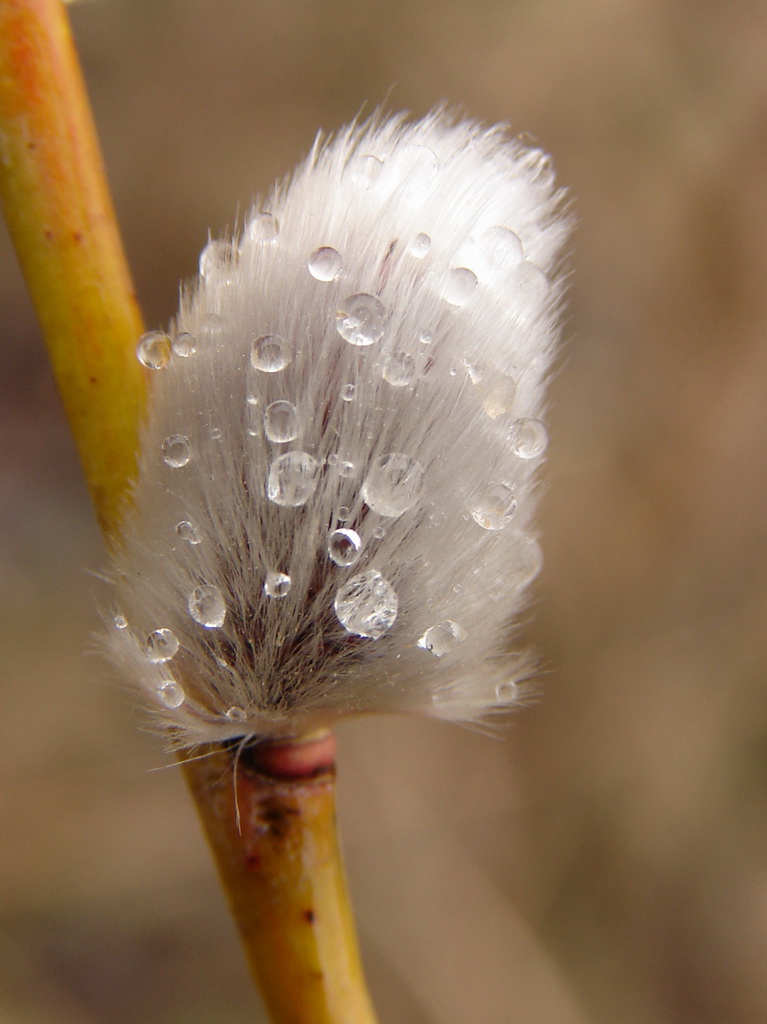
272, 830
282, 871
60, 217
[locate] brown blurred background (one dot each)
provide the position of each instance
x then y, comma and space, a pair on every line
607, 861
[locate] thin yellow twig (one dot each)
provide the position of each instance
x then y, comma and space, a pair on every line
282, 869
60, 216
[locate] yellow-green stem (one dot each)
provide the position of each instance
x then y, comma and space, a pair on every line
282, 871
60, 216
275, 843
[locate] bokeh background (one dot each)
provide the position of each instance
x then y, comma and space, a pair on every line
607, 861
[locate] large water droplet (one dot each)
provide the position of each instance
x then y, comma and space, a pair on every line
365, 170
270, 353
443, 637
153, 350
420, 245
529, 289
217, 260
171, 694
494, 255
399, 369
367, 605
281, 422
293, 479
176, 451
494, 507
161, 645
361, 319
393, 485
459, 286
528, 438
188, 531
277, 584
262, 229
344, 547
528, 558
184, 345
206, 606
236, 714
418, 166
503, 247
426, 337
325, 264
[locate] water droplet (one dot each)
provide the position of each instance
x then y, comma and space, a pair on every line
528, 560
281, 422
343, 514
498, 395
348, 393
442, 638
344, 547
176, 451
507, 692
333, 459
528, 438
325, 264
366, 605
235, 714
161, 645
529, 289
262, 229
188, 531
345, 469
361, 319
171, 694
420, 245
393, 485
206, 606
503, 247
216, 260
459, 286
379, 532
120, 622
215, 434
426, 337
399, 369
495, 507
270, 353
153, 350
293, 479
419, 166
365, 170
495, 254
277, 584
184, 345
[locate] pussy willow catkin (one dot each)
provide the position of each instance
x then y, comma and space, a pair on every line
334, 512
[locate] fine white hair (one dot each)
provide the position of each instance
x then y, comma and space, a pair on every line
334, 509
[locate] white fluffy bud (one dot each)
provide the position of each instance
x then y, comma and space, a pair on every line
334, 509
